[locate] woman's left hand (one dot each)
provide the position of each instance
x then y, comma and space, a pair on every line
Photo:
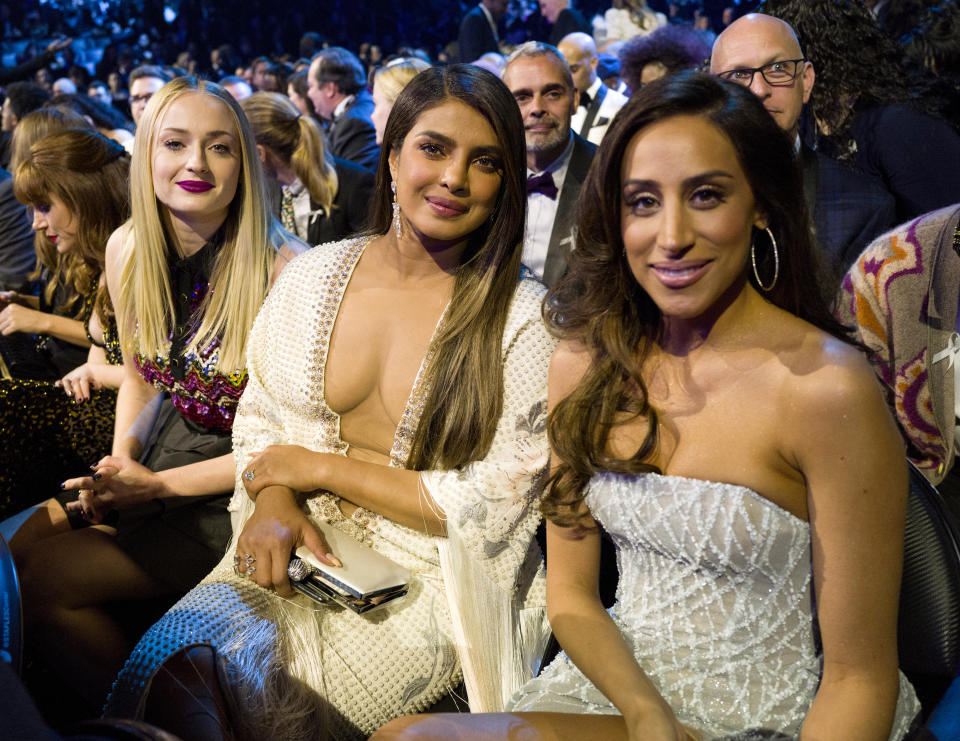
117, 483
79, 383
18, 318
291, 466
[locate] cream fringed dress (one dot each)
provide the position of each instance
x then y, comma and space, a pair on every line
475, 606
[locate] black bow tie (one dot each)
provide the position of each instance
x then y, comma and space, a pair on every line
542, 183
585, 99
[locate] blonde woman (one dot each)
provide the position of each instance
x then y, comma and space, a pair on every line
323, 198
187, 275
387, 84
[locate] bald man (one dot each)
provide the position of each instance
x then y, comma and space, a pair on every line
598, 103
849, 208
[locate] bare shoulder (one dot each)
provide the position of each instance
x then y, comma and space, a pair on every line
290, 249
827, 381
116, 244
285, 253
115, 252
568, 364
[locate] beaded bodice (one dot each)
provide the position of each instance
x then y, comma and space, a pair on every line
715, 593
198, 389
111, 338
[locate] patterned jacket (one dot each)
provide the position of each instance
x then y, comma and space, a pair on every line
902, 297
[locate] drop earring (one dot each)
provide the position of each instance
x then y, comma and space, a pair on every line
396, 212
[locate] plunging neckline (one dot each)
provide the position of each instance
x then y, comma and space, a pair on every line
410, 417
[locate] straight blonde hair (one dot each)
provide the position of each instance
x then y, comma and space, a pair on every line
296, 140
242, 269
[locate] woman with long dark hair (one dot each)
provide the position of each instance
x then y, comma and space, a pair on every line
397, 392
707, 411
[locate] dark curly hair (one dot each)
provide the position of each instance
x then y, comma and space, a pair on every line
675, 47
857, 65
600, 304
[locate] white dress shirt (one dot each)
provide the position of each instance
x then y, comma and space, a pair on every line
541, 212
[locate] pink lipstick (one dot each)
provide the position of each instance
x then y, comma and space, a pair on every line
443, 207
195, 186
681, 275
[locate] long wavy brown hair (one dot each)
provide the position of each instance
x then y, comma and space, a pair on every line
465, 399
89, 174
600, 304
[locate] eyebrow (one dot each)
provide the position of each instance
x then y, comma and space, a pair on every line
545, 89
690, 181
207, 134
446, 140
778, 57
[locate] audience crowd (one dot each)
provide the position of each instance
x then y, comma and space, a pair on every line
615, 327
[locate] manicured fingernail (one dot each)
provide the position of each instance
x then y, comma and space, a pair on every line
97, 476
63, 486
93, 466
334, 561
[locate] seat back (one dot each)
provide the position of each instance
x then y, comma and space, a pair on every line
928, 631
11, 616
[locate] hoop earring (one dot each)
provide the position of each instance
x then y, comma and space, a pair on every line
776, 262
397, 228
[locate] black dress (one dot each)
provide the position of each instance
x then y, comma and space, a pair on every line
179, 540
46, 436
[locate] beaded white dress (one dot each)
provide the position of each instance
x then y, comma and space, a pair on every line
714, 599
299, 670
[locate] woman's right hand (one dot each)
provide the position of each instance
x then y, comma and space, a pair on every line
16, 317
276, 529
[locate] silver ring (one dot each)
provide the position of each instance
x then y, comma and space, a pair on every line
298, 569
248, 476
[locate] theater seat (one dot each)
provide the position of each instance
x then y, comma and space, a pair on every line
928, 631
11, 616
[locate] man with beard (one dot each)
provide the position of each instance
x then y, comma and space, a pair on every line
557, 159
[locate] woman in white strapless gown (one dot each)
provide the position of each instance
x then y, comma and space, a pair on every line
707, 411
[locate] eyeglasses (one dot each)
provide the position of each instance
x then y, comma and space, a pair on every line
777, 74
141, 98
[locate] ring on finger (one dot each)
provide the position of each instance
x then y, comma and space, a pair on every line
248, 476
249, 565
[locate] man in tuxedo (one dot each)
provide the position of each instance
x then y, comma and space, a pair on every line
598, 103
849, 208
557, 159
478, 30
336, 84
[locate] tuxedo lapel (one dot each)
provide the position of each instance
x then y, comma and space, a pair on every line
562, 235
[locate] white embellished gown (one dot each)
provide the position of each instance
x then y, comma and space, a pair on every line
714, 599
297, 670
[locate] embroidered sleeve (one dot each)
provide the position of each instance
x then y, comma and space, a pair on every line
492, 505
